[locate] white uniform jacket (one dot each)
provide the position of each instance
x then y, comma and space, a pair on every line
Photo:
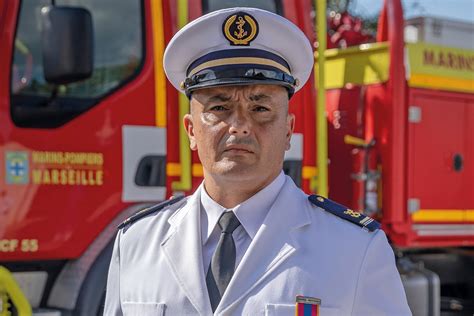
157, 265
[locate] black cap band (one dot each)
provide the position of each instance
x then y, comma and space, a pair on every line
243, 75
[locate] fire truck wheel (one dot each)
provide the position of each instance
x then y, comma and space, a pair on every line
92, 296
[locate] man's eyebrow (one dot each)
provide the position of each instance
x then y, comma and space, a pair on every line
219, 98
259, 97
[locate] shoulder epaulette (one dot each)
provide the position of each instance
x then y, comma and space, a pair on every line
344, 212
155, 208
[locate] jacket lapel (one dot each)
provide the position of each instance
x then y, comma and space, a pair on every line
274, 243
183, 251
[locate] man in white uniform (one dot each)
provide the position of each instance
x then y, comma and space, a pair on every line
248, 241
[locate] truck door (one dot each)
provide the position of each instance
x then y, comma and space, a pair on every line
441, 196
61, 146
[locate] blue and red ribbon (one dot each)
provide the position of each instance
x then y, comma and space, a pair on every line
304, 306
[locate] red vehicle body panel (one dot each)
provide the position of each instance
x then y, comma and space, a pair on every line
66, 219
345, 108
447, 121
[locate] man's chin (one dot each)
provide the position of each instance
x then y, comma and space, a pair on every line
235, 168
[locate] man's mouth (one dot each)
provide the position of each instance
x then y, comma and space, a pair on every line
238, 149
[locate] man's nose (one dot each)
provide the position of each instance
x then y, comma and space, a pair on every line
239, 124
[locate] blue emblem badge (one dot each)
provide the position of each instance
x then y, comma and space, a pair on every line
17, 167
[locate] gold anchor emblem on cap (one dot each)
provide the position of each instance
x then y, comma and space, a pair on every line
240, 29
240, 23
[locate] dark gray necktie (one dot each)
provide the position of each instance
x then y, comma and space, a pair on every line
222, 264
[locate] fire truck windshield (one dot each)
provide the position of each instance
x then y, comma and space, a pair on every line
118, 54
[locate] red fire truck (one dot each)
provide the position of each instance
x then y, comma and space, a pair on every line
90, 132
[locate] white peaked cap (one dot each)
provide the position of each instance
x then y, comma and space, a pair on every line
238, 46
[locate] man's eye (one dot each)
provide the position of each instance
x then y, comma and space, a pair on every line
260, 108
218, 108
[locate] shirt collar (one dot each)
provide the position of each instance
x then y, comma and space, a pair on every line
251, 213
210, 214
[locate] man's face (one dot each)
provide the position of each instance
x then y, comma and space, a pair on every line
240, 132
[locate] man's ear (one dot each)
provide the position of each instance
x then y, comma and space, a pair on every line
189, 127
290, 126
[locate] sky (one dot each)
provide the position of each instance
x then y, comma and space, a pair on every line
462, 10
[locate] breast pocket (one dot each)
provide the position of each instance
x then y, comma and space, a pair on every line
289, 310
143, 309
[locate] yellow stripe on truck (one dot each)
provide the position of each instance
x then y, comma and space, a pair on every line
197, 170
443, 215
184, 183
158, 51
309, 172
441, 83
173, 169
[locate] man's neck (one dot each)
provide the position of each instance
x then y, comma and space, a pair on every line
232, 193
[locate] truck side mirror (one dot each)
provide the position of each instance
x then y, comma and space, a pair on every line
67, 44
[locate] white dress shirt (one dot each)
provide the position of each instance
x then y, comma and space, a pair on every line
251, 214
